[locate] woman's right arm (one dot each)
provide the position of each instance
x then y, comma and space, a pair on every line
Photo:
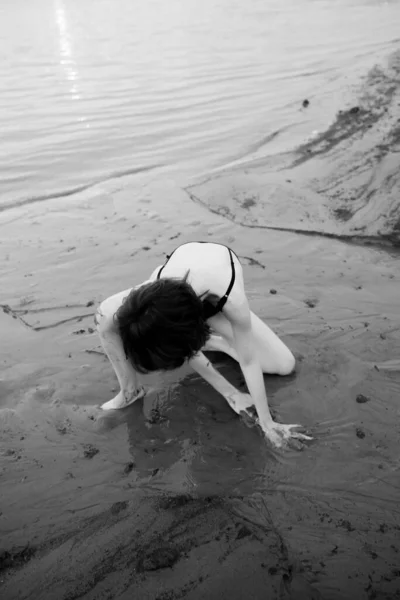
107, 328
128, 377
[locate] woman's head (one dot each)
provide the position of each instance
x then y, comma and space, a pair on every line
161, 325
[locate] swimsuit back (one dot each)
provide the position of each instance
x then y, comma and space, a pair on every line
210, 310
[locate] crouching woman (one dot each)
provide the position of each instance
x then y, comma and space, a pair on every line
196, 301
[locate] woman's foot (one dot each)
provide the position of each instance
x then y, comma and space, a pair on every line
123, 400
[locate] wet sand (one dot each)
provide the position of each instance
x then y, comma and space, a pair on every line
176, 497
342, 183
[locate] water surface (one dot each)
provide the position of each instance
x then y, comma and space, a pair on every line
96, 88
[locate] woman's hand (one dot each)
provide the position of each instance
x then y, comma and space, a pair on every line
280, 435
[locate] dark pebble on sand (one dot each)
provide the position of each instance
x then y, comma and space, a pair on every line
156, 417
243, 532
272, 291
354, 110
15, 557
360, 433
90, 451
117, 507
90, 330
311, 303
382, 336
90, 303
306, 103
78, 331
160, 558
361, 399
128, 467
154, 472
346, 524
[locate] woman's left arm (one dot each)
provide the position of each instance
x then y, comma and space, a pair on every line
239, 315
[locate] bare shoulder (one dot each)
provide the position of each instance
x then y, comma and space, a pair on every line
208, 266
104, 317
217, 276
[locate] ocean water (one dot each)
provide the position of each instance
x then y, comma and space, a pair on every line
94, 89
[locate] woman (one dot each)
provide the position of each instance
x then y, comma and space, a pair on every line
195, 301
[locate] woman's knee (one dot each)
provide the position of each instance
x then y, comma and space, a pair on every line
287, 364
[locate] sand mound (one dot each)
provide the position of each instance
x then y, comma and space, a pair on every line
350, 188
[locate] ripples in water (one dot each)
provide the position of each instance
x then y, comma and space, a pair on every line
93, 88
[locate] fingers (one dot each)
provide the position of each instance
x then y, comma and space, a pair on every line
301, 436
287, 435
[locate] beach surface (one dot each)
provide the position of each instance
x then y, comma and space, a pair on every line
176, 496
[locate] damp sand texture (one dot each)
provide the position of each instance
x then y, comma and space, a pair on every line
175, 497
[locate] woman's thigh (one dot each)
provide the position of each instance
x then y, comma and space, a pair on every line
274, 356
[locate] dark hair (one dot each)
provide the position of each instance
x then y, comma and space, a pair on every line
161, 325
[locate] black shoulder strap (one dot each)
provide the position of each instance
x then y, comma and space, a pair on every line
165, 264
222, 301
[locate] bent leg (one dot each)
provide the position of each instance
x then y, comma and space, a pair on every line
274, 356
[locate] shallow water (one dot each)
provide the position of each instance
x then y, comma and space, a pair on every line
93, 89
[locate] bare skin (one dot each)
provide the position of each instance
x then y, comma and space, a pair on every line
236, 331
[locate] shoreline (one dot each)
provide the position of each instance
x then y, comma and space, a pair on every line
356, 193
